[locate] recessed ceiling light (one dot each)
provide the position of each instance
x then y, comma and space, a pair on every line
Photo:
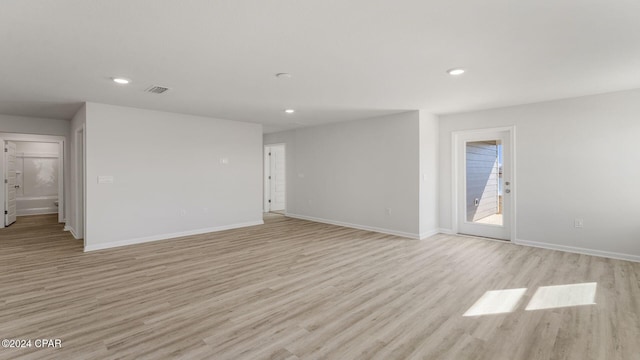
121, 81
289, 111
283, 76
455, 72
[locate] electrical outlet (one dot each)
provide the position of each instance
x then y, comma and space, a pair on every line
578, 223
183, 212
387, 211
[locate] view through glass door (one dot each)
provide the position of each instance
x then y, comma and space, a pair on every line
484, 184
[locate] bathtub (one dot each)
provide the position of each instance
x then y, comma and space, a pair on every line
36, 205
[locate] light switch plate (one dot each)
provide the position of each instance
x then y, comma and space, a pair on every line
105, 179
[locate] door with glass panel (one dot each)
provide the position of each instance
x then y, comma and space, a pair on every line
484, 184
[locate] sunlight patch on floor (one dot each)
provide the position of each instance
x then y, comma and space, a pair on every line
496, 302
550, 297
545, 297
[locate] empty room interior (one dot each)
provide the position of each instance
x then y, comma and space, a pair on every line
320, 179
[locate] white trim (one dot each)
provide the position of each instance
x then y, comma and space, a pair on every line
578, 250
514, 184
454, 182
37, 211
62, 181
355, 226
266, 171
548, 246
145, 239
32, 137
42, 197
80, 218
446, 231
2, 195
72, 231
455, 174
37, 155
428, 234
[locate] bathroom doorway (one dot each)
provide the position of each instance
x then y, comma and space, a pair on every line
33, 173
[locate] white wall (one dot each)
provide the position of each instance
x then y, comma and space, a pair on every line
42, 126
37, 175
351, 172
36, 147
576, 158
165, 165
38, 171
28, 125
429, 224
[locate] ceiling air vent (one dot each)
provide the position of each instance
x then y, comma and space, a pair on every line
156, 89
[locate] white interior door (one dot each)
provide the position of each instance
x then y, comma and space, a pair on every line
278, 177
484, 184
10, 183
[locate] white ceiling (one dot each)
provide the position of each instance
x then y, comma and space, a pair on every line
350, 59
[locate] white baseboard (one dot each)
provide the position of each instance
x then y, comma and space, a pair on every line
578, 250
428, 234
446, 231
355, 226
72, 231
37, 211
141, 240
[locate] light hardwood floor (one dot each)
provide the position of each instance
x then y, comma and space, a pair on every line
292, 289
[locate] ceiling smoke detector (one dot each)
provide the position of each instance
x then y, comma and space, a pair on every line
156, 89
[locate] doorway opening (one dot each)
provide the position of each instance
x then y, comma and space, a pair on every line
483, 183
275, 178
33, 173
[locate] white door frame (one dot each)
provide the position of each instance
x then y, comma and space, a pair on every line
2, 195
267, 172
80, 178
456, 176
61, 163
7, 184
